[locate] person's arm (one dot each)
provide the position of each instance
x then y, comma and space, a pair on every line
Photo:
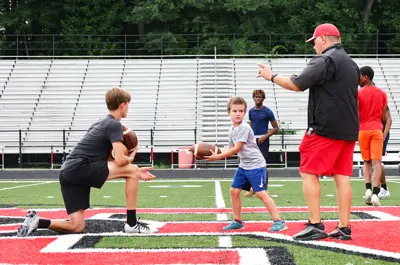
226, 153
275, 128
312, 75
241, 138
114, 135
388, 124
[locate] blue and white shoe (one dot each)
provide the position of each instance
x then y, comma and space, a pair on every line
30, 224
278, 226
234, 225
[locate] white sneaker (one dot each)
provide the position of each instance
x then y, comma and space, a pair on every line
383, 194
140, 228
367, 197
30, 224
375, 200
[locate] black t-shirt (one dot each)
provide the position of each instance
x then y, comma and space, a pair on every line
96, 144
333, 79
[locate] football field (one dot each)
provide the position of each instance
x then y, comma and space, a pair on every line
190, 215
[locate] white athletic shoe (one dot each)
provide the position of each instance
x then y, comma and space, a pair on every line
30, 224
140, 228
375, 200
383, 194
367, 197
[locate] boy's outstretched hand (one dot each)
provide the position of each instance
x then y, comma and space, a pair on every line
212, 157
145, 174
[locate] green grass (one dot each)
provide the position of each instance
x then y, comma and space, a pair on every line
178, 196
159, 242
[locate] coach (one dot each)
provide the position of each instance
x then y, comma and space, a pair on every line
328, 143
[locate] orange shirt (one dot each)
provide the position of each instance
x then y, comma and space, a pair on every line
371, 101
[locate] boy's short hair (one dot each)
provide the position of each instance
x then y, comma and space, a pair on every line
116, 96
258, 91
236, 101
367, 71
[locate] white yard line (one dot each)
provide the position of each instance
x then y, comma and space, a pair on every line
23, 186
219, 199
392, 181
62, 243
223, 241
254, 256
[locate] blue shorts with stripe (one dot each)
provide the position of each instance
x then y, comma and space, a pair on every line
246, 178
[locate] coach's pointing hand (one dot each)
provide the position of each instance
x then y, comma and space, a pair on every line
264, 72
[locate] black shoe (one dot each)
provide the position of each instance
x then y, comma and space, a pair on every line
311, 232
342, 233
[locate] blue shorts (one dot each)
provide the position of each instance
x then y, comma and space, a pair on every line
246, 178
385, 142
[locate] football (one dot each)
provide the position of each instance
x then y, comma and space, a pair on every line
129, 138
202, 149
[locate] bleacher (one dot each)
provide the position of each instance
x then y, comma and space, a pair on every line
171, 98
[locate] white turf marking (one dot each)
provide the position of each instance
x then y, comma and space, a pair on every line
219, 199
330, 195
23, 186
50, 197
254, 256
102, 216
192, 186
62, 243
383, 216
106, 197
274, 195
225, 241
275, 185
163, 196
392, 181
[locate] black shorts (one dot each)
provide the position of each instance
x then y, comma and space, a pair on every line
264, 148
76, 182
385, 143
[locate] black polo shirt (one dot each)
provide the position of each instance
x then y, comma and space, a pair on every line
333, 79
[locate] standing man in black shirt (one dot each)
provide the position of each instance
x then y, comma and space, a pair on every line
328, 144
87, 166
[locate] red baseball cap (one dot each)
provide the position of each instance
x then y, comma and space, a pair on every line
325, 30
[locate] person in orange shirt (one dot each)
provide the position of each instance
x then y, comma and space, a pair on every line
372, 106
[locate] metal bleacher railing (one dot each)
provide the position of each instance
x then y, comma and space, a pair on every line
46, 102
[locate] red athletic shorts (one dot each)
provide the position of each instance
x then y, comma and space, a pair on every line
324, 156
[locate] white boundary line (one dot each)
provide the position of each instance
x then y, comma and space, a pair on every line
392, 181
23, 186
